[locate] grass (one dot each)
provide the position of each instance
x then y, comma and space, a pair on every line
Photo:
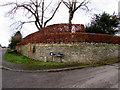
106, 62
35, 64
20, 59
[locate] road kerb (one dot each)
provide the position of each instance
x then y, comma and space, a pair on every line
48, 70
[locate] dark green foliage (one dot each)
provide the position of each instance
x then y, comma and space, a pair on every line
16, 38
104, 24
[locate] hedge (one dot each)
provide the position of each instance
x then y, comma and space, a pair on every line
61, 33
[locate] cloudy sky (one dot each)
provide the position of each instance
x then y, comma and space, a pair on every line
97, 7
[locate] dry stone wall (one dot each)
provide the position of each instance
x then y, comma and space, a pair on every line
73, 52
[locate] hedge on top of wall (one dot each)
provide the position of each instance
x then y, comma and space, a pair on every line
62, 33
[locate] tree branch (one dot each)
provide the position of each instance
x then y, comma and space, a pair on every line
32, 8
52, 14
66, 4
81, 4
42, 12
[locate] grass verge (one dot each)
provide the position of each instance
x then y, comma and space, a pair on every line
35, 64
107, 62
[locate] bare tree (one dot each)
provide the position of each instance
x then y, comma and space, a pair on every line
73, 6
34, 10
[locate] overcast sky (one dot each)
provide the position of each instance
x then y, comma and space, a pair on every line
97, 6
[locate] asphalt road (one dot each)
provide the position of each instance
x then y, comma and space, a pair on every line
92, 77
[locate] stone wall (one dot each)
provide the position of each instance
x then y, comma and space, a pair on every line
73, 52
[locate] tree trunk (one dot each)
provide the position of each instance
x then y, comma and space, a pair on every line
70, 20
70, 15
